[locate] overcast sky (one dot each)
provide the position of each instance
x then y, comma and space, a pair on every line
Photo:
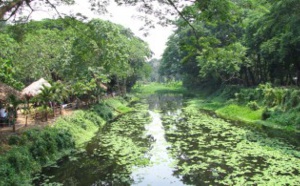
157, 37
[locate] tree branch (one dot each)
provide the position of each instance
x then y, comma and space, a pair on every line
10, 6
184, 18
54, 7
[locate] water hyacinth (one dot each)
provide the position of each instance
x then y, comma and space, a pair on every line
212, 151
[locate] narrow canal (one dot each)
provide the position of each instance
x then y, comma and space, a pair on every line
166, 142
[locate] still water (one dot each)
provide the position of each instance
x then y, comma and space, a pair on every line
170, 144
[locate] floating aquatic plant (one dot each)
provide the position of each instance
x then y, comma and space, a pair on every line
238, 156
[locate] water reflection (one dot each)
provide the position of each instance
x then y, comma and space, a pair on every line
165, 102
109, 158
161, 171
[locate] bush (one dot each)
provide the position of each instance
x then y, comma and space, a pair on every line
103, 111
14, 140
253, 105
31, 150
266, 114
95, 118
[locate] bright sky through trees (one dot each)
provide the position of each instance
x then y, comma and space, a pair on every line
126, 16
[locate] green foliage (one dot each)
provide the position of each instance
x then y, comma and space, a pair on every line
14, 140
81, 125
17, 166
8, 46
279, 106
36, 147
235, 42
241, 113
30, 151
266, 114
151, 88
253, 105
79, 54
118, 104
103, 111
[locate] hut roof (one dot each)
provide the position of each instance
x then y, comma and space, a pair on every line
6, 91
35, 88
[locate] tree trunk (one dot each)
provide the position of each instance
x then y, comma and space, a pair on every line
252, 77
298, 76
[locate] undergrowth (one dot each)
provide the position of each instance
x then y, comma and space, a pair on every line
277, 106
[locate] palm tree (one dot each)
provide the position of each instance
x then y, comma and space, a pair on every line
13, 104
45, 97
60, 93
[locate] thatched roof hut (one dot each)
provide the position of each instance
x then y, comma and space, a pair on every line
35, 88
6, 91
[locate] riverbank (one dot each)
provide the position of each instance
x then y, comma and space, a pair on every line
273, 110
267, 108
26, 153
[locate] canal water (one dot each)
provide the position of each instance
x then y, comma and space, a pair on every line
171, 144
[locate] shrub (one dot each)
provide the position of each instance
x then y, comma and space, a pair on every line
95, 118
21, 160
266, 114
103, 111
294, 99
253, 105
14, 140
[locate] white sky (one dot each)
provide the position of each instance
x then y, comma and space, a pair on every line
156, 38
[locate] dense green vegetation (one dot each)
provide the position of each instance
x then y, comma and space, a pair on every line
275, 107
245, 42
239, 58
76, 54
152, 88
242, 57
37, 147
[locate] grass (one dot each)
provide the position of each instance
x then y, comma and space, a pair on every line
118, 104
240, 113
82, 126
229, 111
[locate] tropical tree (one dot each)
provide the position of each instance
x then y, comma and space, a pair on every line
8, 47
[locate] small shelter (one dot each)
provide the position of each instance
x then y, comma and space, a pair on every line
8, 94
7, 91
35, 88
